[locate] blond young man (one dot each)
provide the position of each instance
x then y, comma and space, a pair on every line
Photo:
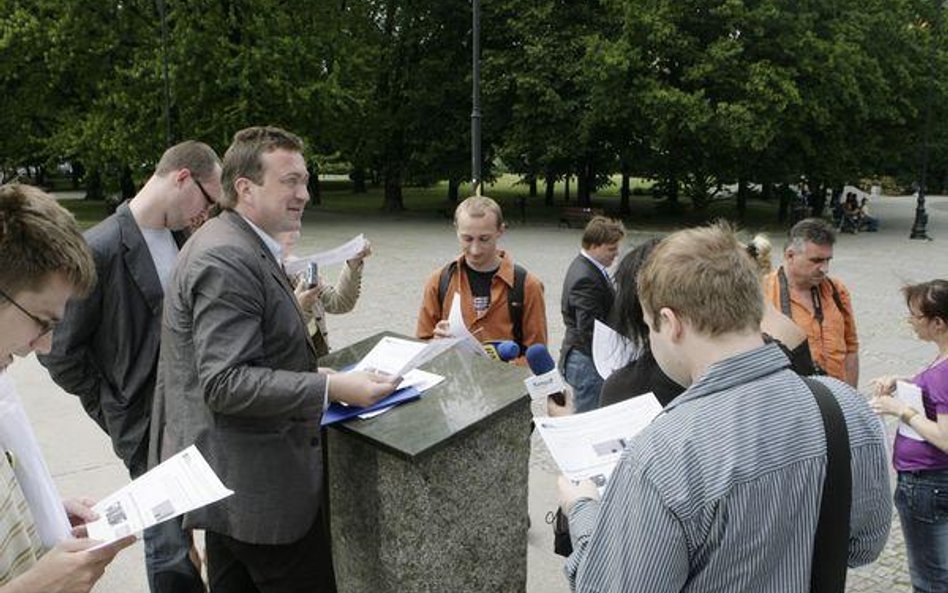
43, 263
722, 491
499, 300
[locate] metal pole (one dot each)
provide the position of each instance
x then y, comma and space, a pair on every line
919, 226
162, 14
476, 99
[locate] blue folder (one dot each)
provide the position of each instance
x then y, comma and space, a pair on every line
338, 412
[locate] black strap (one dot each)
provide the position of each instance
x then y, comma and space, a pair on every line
831, 544
515, 297
785, 295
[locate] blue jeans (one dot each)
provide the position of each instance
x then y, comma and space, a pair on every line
582, 376
922, 501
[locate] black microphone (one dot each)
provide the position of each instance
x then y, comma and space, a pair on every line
546, 379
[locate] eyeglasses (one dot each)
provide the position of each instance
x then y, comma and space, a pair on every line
45, 325
210, 201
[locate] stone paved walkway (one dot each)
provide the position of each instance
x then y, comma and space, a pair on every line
873, 266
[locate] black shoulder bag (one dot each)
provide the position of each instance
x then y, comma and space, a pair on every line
831, 544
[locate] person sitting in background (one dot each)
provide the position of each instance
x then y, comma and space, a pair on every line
922, 465
866, 221
316, 301
642, 374
850, 222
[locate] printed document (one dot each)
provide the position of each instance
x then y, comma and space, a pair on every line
337, 255
610, 350
911, 394
466, 340
396, 356
180, 484
589, 445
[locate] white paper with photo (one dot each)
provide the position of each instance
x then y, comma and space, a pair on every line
911, 395
32, 474
178, 485
610, 350
589, 445
458, 329
336, 255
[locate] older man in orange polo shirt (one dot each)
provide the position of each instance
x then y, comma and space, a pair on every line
803, 290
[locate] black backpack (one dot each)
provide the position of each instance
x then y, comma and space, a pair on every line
514, 297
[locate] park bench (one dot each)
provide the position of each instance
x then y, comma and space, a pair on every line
579, 215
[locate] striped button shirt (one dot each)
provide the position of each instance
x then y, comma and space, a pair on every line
722, 491
20, 546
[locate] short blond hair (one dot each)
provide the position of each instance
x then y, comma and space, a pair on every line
479, 207
706, 277
38, 237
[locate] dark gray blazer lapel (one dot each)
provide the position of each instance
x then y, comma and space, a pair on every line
138, 259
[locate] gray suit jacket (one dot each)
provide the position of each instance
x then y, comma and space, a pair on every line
237, 378
106, 349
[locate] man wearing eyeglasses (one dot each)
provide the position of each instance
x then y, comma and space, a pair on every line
106, 349
43, 263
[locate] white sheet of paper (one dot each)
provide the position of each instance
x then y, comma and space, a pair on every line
466, 340
17, 437
396, 357
610, 349
912, 395
179, 484
336, 255
589, 445
420, 380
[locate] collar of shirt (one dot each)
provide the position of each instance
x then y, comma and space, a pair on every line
736, 370
601, 267
272, 244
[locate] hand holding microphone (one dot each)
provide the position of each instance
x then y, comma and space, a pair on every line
546, 380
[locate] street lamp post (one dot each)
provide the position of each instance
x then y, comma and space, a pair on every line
919, 227
476, 98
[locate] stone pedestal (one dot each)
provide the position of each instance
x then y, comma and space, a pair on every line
432, 495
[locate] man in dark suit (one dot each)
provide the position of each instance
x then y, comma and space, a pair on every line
238, 378
106, 349
588, 294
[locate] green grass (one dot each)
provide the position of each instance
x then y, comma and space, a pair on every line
431, 202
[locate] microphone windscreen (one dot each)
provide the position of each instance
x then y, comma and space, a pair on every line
539, 359
508, 350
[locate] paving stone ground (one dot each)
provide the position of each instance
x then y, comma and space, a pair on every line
408, 249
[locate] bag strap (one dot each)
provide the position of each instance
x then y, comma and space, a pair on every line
784, 293
831, 544
445, 279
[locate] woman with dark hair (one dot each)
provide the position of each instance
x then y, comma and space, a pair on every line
921, 456
642, 374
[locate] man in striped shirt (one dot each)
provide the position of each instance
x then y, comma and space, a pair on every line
722, 491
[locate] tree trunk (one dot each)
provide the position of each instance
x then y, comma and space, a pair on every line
566, 188
358, 180
742, 191
94, 190
532, 183
818, 205
454, 188
783, 210
315, 190
625, 193
584, 185
78, 172
393, 192
549, 179
127, 184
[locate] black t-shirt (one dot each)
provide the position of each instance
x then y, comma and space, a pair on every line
480, 288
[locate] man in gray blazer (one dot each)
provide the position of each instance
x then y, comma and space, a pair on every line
238, 378
106, 349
